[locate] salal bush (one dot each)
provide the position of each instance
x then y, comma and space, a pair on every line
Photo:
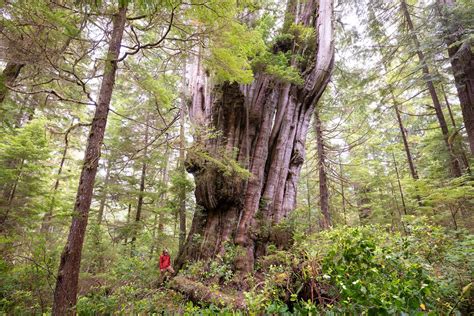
368, 270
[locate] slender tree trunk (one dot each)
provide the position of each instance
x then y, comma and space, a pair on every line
397, 207
138, 214
403, 133
325, 222
103, 199
129, 219
462, 63
46, 224
161, 203
263, 126
8, 77
182, 171
462, 150
411, 165
342, 191
308, 200
8, 196
65, 293
402, 196
455, 166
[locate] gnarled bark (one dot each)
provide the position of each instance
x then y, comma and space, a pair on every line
263, 126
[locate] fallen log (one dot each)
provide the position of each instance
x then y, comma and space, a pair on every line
200, 293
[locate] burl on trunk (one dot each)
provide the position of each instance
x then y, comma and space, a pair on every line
263, 126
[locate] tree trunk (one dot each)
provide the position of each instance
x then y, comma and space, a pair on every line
67, 280
343, 196
159, 218
182, 171
411, 165
402, 196
9, 74
462, 63
103, 199
46, 224
325, 222
462, 150
403, 133
455, 166
308, 200
8, 196
138, 214
263, 126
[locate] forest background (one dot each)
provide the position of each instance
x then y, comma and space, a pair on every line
106, 159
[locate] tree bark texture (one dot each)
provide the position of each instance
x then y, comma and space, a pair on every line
455, 165
9, 74
462, 63
263, 126
65, 293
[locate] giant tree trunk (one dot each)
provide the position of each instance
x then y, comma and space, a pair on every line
67, 280
462, 62
455, 165
263, 126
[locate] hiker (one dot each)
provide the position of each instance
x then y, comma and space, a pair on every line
165, 262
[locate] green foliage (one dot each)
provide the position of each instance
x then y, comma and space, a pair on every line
222, 161
161, 89
374, 277
231, 52
278, 66
367, 270
219, 270
24, 155
231, 43
27, 282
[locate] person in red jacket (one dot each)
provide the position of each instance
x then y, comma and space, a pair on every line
165, 262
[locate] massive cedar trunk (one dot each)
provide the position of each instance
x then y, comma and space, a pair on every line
67, 279
462, 62
263, 126
325, 222
455, 165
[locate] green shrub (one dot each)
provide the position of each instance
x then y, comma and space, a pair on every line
368, 270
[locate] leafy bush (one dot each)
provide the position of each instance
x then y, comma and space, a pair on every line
368, 270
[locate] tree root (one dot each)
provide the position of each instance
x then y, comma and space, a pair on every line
198, 292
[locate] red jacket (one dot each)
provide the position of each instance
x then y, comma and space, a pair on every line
165, 261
